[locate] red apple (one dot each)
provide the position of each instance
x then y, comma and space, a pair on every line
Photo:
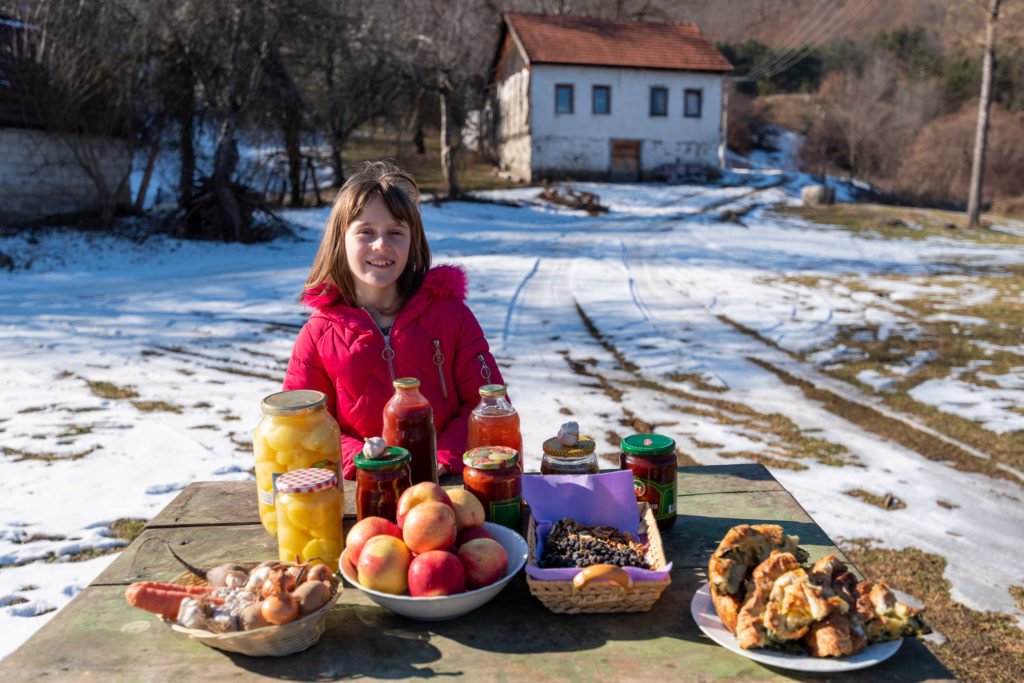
436, 572
429, 526
467, 535
384, 565
364, 530
485, 561
469, 511
423, 492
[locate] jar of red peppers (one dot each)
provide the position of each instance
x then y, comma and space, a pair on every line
409, 424
492, 475
380, 482
652, 458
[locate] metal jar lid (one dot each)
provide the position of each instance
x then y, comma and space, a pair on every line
405, 383
395, 456
492, 390
648, 445
490, 457
290, 403
584, 447
306, 480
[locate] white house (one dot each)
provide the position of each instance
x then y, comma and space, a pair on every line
604, 99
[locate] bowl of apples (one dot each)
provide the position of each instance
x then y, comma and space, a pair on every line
441, 560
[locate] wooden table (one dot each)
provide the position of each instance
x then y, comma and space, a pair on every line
99, 637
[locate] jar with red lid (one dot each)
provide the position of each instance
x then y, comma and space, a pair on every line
652, 458
309, 507
492, 475
380, 482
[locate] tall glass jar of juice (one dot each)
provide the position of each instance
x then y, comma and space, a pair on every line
295, 432
494, 422
309, 517
409, 424
492, 476
380, 482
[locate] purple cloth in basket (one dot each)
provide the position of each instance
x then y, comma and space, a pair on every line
604, 499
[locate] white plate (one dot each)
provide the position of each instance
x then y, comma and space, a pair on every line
450, 606
704, 614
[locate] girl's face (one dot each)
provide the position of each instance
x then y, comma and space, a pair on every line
377, 247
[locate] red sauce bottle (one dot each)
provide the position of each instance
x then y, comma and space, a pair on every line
409, 424
652, 458
380, 482
494, 422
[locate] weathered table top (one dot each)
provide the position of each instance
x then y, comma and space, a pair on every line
98, 636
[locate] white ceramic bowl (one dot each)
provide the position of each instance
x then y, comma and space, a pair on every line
450, 606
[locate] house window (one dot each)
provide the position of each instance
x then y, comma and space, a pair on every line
563, 99
693, 100
602, 99
659, 101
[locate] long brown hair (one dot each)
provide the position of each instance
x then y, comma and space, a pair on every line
401, 196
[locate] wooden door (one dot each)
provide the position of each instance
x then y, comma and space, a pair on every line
625, 160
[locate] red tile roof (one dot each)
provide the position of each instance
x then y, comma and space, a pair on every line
562, 39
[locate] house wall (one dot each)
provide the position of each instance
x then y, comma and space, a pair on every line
513, 122
578, 144
40, 176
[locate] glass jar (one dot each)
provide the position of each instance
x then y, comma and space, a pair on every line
493, 476
295, 432
494, 422
380, 482
652, 458
561, 459
309, 517
409, 424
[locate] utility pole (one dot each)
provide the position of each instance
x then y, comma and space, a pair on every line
984, 105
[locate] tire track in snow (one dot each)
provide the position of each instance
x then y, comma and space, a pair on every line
515, 305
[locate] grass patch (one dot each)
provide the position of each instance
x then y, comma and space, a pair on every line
564, 411
765, 460
980, 646
110, 390
157, 406
33, 409
128, 528
946, 504
697, 381
12, 600
73, 430
900, 222
886, 502
20, 455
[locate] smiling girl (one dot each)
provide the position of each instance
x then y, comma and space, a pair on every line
381, 312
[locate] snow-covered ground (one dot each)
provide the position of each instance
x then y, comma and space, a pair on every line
200, 332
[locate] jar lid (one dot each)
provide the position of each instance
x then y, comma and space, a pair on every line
306, 480
395, 456
405, 383
490, 457
648, 445
298, 402
584, 447
493, 390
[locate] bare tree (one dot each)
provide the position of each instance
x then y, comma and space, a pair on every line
984, 109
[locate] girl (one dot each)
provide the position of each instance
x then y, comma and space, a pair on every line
381, 312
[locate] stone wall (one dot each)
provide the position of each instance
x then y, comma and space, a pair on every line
41, 175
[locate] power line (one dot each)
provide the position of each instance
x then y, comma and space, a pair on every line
807, 27
839, 23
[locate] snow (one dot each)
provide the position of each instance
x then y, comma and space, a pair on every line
207, 329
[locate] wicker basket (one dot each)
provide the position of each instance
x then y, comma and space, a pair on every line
269, 641
562, 598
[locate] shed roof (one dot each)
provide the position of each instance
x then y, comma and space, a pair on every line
587, 41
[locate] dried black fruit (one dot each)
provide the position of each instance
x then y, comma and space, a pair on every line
571, 544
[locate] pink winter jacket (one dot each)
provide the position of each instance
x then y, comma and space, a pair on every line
435, 338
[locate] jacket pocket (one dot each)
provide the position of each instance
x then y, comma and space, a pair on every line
439, 362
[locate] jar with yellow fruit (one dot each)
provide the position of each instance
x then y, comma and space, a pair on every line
295, 432
309, 517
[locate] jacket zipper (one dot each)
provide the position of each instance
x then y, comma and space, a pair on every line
485, 371
388, 354
439, 361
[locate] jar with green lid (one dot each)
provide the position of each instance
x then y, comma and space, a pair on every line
380, 482
295, 432
580, 458
652, 458
492, 475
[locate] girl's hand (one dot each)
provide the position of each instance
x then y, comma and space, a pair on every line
443, 470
